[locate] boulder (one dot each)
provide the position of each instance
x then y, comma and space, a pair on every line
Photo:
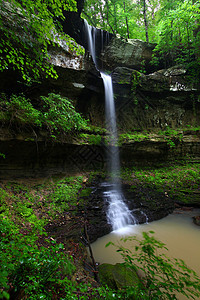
196, 220
118, 276
134, 54
174, 79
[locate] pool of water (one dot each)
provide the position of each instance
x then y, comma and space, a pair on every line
177, 231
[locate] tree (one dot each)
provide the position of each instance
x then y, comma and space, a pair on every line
173, 24
28, 27
145, 20
177, 38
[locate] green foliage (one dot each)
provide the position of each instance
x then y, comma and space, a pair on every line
30, 269
56, 113
180, 182
171, 136
27, 29
64, 195
135, 80
20, 109
2, 155
163, 277
27, 267
178, 36
92, 139
60, 115
34, 266
132, 137
173, 25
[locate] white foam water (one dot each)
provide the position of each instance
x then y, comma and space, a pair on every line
118, 214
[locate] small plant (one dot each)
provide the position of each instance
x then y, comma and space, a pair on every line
170, 143
2, 155
92, 139
65, 193
163, 277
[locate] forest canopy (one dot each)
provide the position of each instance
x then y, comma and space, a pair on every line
173, 24
28, 27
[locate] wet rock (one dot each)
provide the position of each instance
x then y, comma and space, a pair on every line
118, 276
196, 220
145, 204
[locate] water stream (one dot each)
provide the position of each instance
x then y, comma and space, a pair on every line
177, 230
118, 214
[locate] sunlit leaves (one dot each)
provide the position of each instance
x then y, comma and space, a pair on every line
173, 24
27, 28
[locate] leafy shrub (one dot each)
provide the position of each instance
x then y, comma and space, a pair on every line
65, 193
60, 115
92, 139
162, 277
20, 109
26, 267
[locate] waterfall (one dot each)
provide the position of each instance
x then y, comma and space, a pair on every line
118, 214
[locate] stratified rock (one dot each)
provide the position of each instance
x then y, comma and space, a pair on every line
166, 98
174, 79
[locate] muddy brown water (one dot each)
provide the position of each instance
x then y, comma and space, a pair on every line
177, 231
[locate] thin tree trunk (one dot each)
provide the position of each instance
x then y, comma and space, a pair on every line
145, 21
127, 25
115, 14
107, 17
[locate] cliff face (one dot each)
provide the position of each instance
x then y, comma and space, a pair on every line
167, 98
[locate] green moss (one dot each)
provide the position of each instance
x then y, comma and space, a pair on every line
85, 192
132, 137
118, 276
91, 139
180, 182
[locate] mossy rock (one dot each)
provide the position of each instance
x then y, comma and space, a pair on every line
118, 276
86, 192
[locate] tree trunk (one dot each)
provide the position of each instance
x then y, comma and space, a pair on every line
127, 25
145, 21
107, 17
115, 14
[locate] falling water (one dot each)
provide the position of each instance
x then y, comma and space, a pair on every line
118, 214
